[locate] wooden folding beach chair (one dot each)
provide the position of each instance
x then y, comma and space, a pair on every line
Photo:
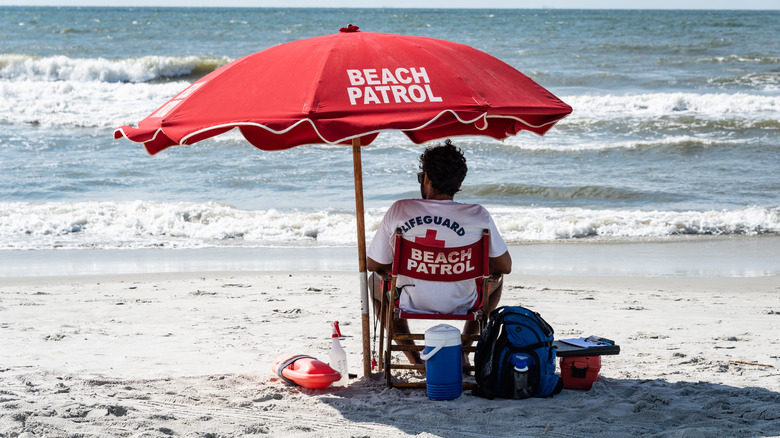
417, 260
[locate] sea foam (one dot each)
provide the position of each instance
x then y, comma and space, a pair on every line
66, 91
111, 225
21, 67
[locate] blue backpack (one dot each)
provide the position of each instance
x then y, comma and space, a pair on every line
515, 335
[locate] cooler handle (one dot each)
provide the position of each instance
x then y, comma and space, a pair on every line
426, 356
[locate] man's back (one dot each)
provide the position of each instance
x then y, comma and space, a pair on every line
439, 220
443, 223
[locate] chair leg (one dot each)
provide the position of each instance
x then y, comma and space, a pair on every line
388, 343
388, 360
381, 316
388, 367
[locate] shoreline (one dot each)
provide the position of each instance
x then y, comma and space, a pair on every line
743, 256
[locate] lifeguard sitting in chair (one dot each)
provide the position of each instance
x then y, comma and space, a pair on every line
448, 249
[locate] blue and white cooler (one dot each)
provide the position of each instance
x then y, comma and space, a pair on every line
443, 362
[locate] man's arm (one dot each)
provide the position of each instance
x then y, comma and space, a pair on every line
501, 264
374, 266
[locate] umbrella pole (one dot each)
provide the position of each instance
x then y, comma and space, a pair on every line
361, 239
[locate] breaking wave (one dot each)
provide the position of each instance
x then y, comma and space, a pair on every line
19, 67
647, 105
111, 225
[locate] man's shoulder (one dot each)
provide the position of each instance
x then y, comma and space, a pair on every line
429, 202
416, 204
410, 203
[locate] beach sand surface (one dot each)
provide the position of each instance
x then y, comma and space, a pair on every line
190, 353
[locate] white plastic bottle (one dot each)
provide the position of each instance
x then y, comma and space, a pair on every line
338, 357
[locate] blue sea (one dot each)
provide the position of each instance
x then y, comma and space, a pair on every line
675, 133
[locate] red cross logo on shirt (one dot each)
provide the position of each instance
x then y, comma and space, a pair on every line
430, 239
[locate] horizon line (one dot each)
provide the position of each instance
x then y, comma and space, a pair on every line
377, 7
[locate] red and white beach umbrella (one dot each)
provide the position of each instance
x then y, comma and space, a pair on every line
346, 88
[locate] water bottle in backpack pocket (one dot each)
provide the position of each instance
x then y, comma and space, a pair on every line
520, 371
518, 375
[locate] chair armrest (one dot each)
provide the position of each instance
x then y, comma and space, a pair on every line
496, 278
384, 276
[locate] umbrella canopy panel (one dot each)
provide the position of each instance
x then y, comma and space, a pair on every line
335, 88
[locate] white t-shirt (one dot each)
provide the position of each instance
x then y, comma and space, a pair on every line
452, 222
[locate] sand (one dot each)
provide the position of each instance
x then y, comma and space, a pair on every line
190, 353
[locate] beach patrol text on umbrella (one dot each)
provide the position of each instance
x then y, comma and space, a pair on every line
380, 86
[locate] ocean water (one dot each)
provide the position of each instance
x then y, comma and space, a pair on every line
675, 132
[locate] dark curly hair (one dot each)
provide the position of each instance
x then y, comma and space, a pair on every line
445, 166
